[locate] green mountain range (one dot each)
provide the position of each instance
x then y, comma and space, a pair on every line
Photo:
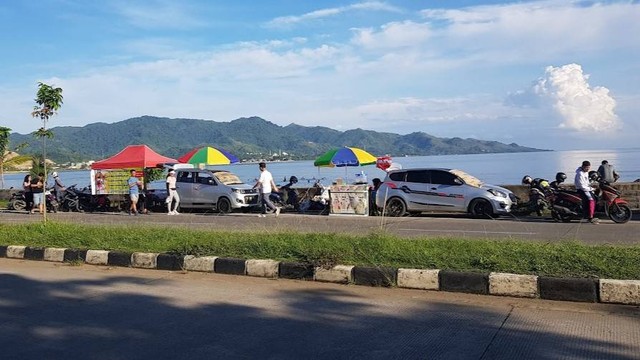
247, 138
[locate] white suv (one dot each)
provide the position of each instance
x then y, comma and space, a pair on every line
219, 190
417, 190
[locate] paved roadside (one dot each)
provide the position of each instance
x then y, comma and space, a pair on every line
523, 228
58, 311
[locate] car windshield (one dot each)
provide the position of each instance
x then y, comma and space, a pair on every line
468, 179
227, 178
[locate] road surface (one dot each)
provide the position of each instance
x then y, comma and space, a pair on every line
523, 228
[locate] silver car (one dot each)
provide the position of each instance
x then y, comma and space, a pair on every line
219, 190
416, 190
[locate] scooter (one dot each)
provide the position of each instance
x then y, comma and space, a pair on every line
51, 200
18, 201
566, 205
287, 197
539, 192
71, 199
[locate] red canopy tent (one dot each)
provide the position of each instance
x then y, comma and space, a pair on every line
133, 156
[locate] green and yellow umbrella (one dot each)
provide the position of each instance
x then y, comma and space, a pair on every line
208, 155
345, 156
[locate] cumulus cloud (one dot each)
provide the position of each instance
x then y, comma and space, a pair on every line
582, 107
322, 13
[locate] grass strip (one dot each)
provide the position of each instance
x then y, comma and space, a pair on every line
566, 259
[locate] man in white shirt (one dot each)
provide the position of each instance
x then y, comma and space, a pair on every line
266, 185
585, 190
172, 194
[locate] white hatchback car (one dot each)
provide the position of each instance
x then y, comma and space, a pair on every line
417, 190
219, 190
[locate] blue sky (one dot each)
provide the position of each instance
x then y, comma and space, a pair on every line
549, 74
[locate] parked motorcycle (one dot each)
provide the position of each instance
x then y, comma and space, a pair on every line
89, 202
318, 201
51, 200
566, 205
287, 197
17, 201
539, 192
71, 199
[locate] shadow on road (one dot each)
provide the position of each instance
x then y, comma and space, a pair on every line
49, 320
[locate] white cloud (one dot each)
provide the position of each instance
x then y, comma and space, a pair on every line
160, 14
323, 13
392, 35
582, 107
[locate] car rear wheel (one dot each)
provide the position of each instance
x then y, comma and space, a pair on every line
224, 206
481, 208
395, 207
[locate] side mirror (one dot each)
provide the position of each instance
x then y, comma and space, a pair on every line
458, 181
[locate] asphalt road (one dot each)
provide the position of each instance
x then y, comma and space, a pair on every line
59, 311
530, 228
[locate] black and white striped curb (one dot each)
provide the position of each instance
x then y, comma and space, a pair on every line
502, 284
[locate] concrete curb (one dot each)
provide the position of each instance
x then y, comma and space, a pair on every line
501, 284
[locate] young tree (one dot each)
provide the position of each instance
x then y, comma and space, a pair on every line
49, 100
4, 146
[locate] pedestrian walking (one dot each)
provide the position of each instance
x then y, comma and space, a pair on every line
266, 185
172, 194
134, 193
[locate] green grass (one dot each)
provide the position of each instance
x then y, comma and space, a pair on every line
567, 259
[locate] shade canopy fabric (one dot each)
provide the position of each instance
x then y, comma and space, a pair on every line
208, 155
345, 156
133, 156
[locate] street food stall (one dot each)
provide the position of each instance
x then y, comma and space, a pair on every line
349, 199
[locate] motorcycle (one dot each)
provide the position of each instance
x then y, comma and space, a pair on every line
539, 193
89, 202
51, 200
71, 200
17, 201
287, 197
319, 200
566, 205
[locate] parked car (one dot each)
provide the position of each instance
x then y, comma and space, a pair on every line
427, 189
219, 190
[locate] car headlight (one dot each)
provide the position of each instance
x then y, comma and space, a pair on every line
498, 193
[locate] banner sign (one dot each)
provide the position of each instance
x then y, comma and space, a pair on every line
112, 181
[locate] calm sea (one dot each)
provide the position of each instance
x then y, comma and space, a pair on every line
498, 169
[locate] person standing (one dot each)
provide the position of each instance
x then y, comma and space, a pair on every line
37, 188
608, 172
266, 185
585, 190
28, 195
172, 193
58, 187
134, 185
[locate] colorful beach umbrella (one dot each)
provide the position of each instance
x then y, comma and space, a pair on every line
345, 156
208, 155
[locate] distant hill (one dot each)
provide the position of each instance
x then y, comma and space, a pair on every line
247, 138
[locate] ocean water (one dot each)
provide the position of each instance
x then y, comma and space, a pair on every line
498, 169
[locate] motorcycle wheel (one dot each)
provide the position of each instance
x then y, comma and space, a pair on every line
620, 213
19, 205
560, 217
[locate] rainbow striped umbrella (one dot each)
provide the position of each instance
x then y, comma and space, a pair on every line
345, 156
208, 155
